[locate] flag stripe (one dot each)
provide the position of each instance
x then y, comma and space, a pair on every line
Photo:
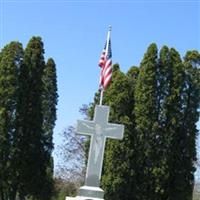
105, 63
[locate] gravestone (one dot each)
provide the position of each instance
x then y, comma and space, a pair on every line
99, 129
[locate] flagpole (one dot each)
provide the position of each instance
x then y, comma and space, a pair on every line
108, 38
107, 42
101, 96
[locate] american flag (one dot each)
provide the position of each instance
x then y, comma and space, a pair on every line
105, 63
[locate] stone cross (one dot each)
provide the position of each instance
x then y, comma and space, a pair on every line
99, 129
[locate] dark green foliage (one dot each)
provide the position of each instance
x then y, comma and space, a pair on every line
31, 155
147, 128
28, 91
184, 154
49, 102
10, 62
178, 124
172, 120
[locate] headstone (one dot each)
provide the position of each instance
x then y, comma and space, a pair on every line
99, 129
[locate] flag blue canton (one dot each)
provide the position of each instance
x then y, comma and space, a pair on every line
109, 55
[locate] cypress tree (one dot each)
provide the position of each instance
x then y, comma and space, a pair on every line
171, 80
183, 150
31, 155
190, 117
10, 63
146, 113
49, 102
172, 122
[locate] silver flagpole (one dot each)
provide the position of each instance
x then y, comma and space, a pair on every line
101, 96
107, 43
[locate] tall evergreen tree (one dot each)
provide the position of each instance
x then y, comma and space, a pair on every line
31, 155
146, 113
49, 102
171, 87
191, 116
183, 150
10, 62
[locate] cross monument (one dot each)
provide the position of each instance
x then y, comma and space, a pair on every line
99, 129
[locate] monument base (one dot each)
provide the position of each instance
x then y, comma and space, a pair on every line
88, 193
82, 198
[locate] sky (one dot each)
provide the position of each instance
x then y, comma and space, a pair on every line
74, 33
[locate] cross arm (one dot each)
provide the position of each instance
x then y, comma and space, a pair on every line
114, 131
85, 127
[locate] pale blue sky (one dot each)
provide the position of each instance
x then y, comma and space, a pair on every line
74, 33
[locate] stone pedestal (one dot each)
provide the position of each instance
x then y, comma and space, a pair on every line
88, 193
81, 198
